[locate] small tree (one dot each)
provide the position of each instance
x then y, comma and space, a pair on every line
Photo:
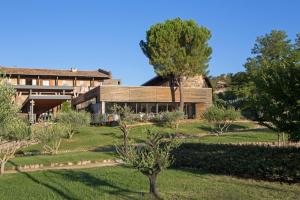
14, 136
73, 120
50, 137
171, 119
221, 118
177, 49
150, 159
66, 106
14, 133
125, 117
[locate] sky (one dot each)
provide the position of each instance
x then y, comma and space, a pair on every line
92, 34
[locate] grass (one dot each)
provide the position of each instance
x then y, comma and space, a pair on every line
100, 137
123, 183
260, 135
96, 143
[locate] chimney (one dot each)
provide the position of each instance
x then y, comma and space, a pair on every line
73, 69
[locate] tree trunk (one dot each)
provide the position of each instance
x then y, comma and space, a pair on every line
283, 142
172, 88
125, 131
2, 168
152, 186
181, 105
278, 138
126, 141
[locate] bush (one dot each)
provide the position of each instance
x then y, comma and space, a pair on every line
50, 137
221, 117
66, 106
73, 120
170, 119
246, 161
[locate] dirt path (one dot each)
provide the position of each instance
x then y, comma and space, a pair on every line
92, 165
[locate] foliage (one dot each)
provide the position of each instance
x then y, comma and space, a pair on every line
275, 82
72, 120
51, 136
125, 117
177, 49
246, 161
66, 106
221, 117
170, 119
8, 110
14, 136
150, 159
14, 132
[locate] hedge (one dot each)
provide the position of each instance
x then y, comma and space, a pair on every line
246, 161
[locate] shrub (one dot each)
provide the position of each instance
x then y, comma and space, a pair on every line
66, 106
170, 119
73, 120
50, 137
221, 117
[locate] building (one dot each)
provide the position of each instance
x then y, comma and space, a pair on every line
154, 96
41, 91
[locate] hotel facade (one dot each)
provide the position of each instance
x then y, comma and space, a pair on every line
41, 91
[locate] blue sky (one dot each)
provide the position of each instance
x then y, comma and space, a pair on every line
90, 34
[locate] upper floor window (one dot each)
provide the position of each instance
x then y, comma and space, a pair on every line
46, 82
22, 81
67, 82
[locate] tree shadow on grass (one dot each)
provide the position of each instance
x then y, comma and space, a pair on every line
232, 128
59, 190
105, 186
85, 178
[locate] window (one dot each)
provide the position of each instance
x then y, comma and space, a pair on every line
67, 82
33, 81
22, 81
46, 82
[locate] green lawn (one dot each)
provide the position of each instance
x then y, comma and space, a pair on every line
123, 183
105, 137
97, 143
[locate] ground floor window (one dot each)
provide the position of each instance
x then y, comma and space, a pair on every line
152, 108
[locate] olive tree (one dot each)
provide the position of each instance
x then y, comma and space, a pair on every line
50, 136
221, 118
149, 158
171, 119
125, 118
73, 120
14, 132
177, 49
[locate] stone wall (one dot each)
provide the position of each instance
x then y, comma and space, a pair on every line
196, 81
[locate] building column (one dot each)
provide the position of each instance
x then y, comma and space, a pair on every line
93, 82
38, 81
75, 82
102, 107
156, 108
31, 112
56, 81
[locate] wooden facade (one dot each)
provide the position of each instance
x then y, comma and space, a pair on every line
201, 98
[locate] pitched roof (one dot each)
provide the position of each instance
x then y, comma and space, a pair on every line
100, 73
158, 80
